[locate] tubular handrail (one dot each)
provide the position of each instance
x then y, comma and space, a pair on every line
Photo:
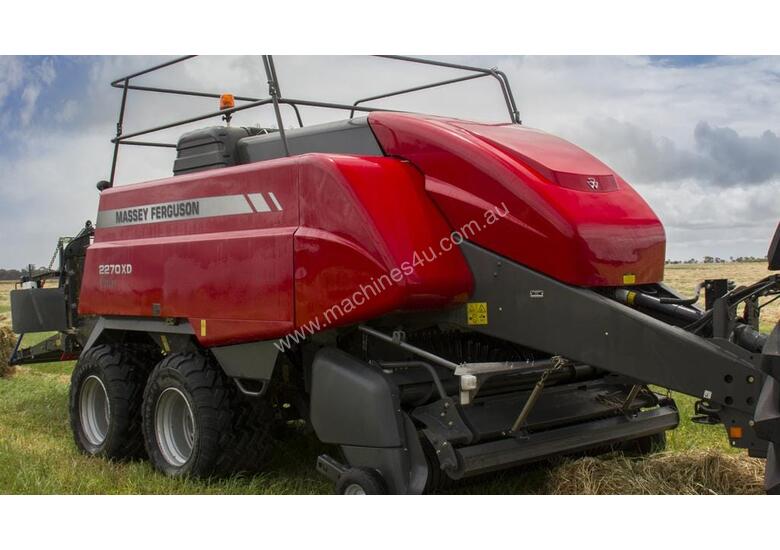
417, 89
117, 83
503, 81
250, 105
276, 99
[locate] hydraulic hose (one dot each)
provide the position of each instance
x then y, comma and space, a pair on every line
678, 311
744, 335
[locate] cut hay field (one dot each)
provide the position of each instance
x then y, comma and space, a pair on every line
37, 454
5, 304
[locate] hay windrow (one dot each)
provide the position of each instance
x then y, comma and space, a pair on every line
694, 472
7, 343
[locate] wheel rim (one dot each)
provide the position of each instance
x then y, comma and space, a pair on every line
174, 426
354, 489
95, 410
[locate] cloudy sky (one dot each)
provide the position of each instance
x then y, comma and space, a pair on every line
697, 136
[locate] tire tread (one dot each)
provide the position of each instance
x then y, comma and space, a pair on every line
123, 368
235, 432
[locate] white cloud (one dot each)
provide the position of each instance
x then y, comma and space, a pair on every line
68, 111
704, 220
45, 72
10, 75
29, 97
720, 156
26, 81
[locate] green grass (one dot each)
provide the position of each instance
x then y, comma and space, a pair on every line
690, 435
38, 456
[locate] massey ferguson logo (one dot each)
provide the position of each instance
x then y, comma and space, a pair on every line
202, 207
593, 183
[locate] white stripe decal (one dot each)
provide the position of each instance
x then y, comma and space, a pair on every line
185, 209
276, 202
259, 202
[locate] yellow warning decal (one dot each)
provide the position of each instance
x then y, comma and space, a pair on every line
629, 279
476, 313
203, 327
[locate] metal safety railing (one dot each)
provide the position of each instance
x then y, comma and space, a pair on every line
276, 99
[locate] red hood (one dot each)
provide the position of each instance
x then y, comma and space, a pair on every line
569, 215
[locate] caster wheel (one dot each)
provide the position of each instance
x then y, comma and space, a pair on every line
360, 481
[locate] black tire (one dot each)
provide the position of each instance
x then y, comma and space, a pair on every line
230, 432
360, 481
647, 445
116, 373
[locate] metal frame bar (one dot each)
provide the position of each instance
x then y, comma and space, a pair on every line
276, 99
125, 137
118, 132
416, 89
273, 91
211, 95
428, 356
769, 286
503, 81
174, 61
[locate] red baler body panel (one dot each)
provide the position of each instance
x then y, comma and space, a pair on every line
556, 223
275, 245
256, 251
